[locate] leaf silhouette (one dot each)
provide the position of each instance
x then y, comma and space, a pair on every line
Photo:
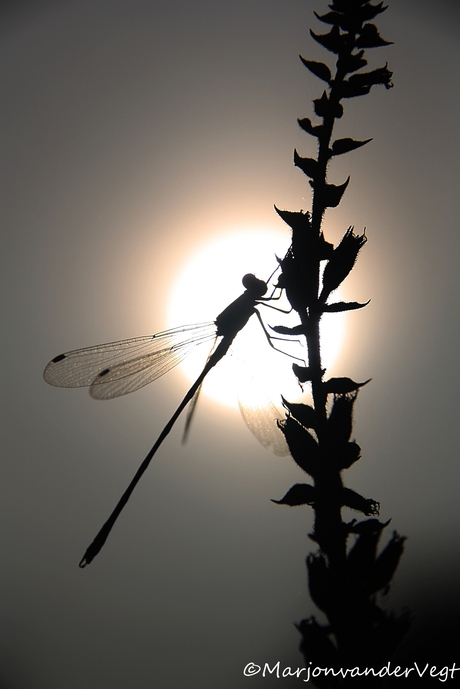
325, 108
339, 306
286, 330
340, 419
317, 645
367, 526
333, 194
332, 41
351, 63
329, 17
319, 582
355, 501
341, 146
348, 455
299, 494
369, 37
361, 558
350, 90
309, 166
303, 373
319, 69
343, 385
353, 20
368, 11
342, 261
306, 125
302, 412
297, 220
386, 563
381, 75
302, 446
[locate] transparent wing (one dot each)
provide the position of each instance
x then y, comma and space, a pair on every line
262, 422
117, 368
260, 414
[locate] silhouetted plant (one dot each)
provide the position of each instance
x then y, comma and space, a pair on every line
343, 579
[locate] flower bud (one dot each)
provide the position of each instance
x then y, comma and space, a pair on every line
342, 261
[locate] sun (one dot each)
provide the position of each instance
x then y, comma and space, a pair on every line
208, 282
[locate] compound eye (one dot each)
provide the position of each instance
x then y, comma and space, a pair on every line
254, 285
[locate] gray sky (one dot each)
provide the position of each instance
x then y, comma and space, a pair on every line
132, 133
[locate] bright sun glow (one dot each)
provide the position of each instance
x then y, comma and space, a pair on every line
211, 280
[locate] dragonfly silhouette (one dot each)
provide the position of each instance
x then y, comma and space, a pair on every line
117, 368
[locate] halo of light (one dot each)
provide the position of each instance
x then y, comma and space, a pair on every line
209, 281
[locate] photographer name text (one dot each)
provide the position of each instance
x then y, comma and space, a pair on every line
306, 673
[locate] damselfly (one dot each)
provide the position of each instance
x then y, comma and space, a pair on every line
117, 368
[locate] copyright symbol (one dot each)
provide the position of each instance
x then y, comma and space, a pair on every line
251, 669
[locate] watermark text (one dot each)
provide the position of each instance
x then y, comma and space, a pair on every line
442, 674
